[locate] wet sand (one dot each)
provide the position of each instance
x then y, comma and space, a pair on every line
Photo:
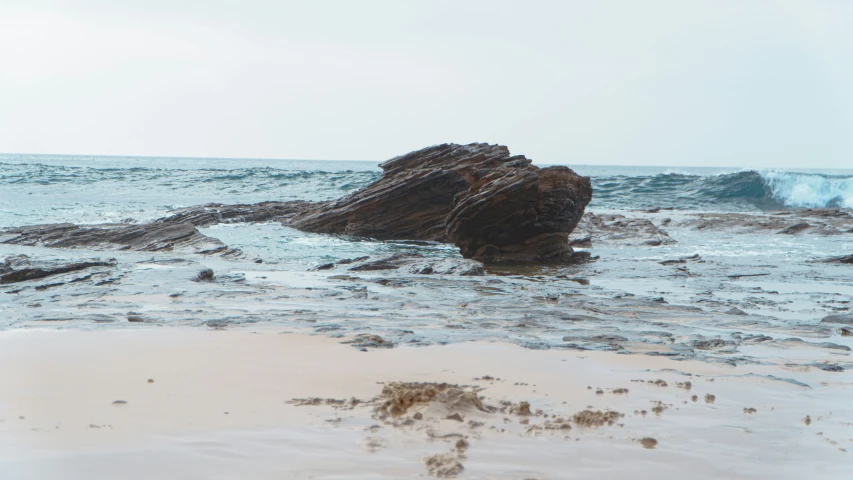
255, 403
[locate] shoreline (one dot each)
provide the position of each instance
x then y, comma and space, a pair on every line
70, 379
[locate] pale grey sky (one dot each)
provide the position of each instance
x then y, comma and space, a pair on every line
716, 82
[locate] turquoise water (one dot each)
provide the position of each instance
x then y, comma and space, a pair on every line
92, 189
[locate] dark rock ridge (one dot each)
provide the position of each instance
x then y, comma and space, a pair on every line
151, 237
495, 207
18, 269
847, 259
215, 213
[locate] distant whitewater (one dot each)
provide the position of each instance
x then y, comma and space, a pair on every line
92, 189
747, 190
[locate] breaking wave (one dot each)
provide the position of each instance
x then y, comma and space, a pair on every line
749, 190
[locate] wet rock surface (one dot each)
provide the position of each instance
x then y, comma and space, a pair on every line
415, 264
151, 237
519, 214
19, 269
825, 221
495, 207
617, 229
847, 260
216, 213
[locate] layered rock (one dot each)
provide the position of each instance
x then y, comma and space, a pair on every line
215, 213
151, 237
412, 199
495, 207
519, 213
413, 263
46, 269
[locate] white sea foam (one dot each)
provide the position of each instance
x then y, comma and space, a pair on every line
809, 189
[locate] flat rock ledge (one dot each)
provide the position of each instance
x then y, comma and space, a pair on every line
150, 237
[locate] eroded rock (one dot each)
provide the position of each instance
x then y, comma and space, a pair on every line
215, 213
48, 270
151, 237
496, 207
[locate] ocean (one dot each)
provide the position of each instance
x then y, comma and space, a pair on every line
775, 278
713, 310
99, 189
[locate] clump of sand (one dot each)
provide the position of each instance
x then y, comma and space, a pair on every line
749, 410
398, 397
523, 408
332, 402
443, 465
589, 418
648, 442
710, 398
659, 407
462, 445
557, 423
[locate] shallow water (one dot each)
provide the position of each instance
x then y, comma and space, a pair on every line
626, 301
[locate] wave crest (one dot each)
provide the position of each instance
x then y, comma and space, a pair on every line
810, 189
747, 189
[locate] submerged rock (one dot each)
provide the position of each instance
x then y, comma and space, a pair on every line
847, 259
16, 261
616, 229
418, 264
820, 221
843, 319
795, 228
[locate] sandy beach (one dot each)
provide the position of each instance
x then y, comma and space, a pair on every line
192, 403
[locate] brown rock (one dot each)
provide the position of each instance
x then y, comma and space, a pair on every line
496, 207
151, 237
519, 214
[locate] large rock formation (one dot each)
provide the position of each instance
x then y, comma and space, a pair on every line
519, 213
495, 207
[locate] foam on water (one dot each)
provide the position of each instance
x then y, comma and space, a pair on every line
810, 189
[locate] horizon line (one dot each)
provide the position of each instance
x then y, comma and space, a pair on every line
334, 160
377, 162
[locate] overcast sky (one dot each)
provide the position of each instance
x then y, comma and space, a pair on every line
716, 83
